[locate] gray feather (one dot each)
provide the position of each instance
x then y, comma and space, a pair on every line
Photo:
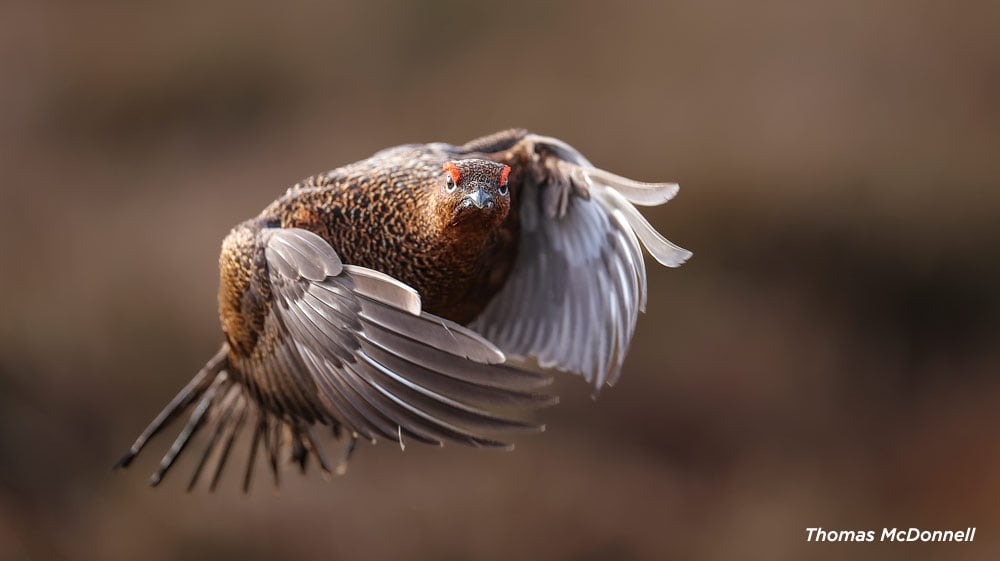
353, 346
579, 281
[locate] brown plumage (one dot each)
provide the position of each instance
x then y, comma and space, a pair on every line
415, 295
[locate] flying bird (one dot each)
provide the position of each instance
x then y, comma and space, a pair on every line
423, 294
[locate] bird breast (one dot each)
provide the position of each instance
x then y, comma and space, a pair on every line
388, 229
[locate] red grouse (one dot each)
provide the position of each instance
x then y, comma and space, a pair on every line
419, 295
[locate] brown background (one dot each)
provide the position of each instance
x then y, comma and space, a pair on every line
828, 358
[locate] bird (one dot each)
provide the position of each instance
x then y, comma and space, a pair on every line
425, 294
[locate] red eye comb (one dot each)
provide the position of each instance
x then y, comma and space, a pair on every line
503, 175
452, 170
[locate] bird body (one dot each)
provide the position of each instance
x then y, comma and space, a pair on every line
406, 295
387, 214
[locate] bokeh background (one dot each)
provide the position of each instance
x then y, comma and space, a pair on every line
828, 358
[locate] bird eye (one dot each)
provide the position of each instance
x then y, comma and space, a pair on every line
504, 174
454, 176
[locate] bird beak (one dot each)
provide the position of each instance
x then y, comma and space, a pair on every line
480, 198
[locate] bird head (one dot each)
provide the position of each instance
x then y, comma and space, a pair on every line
473, 194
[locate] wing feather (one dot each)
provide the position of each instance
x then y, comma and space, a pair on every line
355, 343
579, 281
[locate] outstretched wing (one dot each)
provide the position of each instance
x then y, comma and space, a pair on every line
353, 344
347, 347
574, 295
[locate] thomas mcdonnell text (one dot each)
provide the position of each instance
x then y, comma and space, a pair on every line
891, 535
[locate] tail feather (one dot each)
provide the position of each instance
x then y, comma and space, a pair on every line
300, 454
218, 432
272, 446
201, 382
324, 464
223, 404
254, 443
194, 424
241, 416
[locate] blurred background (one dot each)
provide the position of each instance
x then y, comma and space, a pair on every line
829, 357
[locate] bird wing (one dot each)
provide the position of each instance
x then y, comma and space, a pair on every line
572, 299
354, 344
